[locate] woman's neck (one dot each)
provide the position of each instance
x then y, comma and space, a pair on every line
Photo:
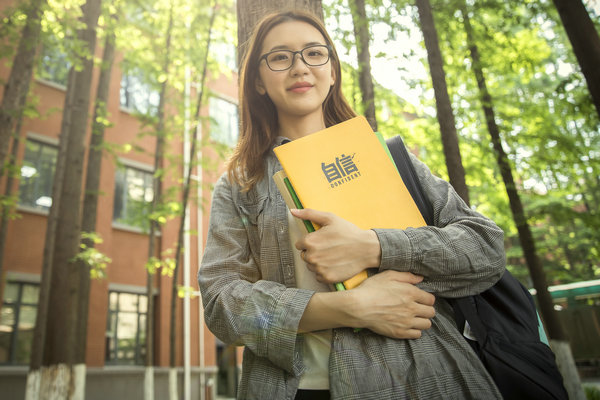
295, 128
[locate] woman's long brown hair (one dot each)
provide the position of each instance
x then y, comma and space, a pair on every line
258, 120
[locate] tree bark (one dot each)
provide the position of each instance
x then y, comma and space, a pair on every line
34, 377
154, 226
250, 12
61, 326
6, 209
92, 187
445, 114
365, 79
187, 186
17, 86
585, 42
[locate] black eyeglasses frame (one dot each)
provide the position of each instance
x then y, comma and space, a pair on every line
328, 47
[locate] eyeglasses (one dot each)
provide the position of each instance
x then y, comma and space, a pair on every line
313, 56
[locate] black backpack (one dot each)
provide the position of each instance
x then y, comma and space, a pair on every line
503, 319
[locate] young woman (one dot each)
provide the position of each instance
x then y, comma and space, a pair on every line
265, 286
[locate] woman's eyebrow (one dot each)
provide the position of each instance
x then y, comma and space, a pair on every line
285, 47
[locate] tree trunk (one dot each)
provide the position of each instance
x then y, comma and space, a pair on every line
61, 327
34, 376
17, 86
11, 111
585, 41
186, 190
536, 270
365, 80
445, 114
250, 12
154, 227
90, 199
6, 209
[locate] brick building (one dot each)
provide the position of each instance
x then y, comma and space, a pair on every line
118, 303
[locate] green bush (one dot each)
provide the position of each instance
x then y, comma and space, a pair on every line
592, 392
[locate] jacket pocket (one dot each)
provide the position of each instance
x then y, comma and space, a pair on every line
251, 214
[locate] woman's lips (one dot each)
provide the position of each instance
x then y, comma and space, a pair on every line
300, 87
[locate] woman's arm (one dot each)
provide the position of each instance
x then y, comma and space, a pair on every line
239, 306
462, 254
388, 303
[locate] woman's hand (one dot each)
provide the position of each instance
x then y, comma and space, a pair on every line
390, 304
387, 303
339, 249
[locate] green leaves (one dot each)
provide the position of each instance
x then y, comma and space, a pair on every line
165, 264
94, 259
548, 123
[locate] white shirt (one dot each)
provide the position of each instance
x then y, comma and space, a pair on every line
317, 345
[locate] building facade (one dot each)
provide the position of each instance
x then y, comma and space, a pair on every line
118, 306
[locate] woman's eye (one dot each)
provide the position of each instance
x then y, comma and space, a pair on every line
279, 57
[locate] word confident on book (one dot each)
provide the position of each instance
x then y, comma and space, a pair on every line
342, 170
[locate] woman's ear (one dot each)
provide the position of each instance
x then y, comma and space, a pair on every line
332, 80
260, 87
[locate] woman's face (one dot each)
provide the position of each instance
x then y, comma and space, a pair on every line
300, 90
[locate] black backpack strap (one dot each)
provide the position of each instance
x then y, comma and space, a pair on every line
503, 319
410, 178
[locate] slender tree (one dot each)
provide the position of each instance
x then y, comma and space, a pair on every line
11, 110
536, 270
34, 376
365, 79
445, 114
158, 174
585, 41
90, 199
61, 380
7, 205
186, 190
17, 85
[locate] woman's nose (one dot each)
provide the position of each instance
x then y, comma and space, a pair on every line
298, 63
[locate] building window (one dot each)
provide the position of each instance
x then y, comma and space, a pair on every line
126, 328
37, 175
225, 54
138, 96
17, 322
224, 121
53, 65
133, 197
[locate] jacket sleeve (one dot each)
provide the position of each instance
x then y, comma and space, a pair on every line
461, 254
240, 308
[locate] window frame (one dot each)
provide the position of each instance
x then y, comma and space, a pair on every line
140, 347
21, 280
225, 54
149, 108
45, 141
135, 165
235, 105
59, 62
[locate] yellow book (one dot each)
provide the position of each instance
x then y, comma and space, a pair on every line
345, 170
291, 200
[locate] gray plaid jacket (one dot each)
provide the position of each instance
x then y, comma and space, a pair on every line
247, 282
